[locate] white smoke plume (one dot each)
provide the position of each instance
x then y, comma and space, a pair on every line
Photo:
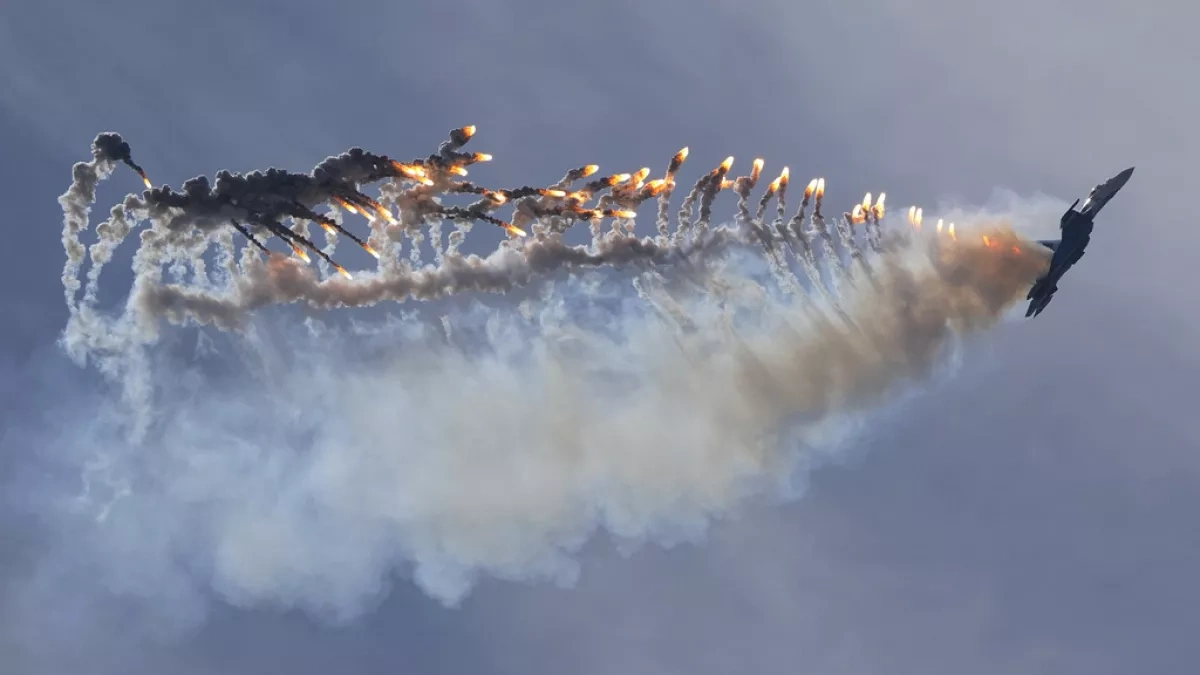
492, 413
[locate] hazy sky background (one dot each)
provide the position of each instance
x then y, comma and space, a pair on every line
1036, 515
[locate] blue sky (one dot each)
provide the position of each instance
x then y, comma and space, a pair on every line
1035, 514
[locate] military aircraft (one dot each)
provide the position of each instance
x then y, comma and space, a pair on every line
1076, 229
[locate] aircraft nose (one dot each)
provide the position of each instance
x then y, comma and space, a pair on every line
1118, 181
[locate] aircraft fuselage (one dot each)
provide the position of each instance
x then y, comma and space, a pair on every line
1076, 227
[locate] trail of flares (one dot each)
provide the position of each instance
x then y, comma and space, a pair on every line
645, 413
664, 197
263, 199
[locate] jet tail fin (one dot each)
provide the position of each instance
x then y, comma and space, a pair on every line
1051, 244
1067, 216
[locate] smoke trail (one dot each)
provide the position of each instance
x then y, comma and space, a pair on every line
304, 466
77, 203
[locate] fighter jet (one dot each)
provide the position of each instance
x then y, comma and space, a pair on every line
1076, 229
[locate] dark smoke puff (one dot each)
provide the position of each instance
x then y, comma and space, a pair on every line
197, 188
353, 166
165, 197
111, 147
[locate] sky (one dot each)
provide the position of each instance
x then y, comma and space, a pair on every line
1033, 514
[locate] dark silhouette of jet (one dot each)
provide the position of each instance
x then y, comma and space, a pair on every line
1076, 229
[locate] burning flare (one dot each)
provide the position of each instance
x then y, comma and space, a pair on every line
677, 161
779, 182
300, 253
656, 187
856, 214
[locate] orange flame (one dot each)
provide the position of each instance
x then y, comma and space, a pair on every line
328, 228
820, 188
342, 271
147, 183
641, 175
579, 196
457, 170
656, 186
625, 214
757, 169
920, 217
727, 164
497, 197
856, 215
987, 241
1016, 249
952, 232
381, 210
513, 229
682, 155
878, 209
812, 186
866, 202
589, 170
912, 215
939, 225
468, 130
373, 252
346, 205
553, 193
618, 178
414, 172
300, 253
726, 184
